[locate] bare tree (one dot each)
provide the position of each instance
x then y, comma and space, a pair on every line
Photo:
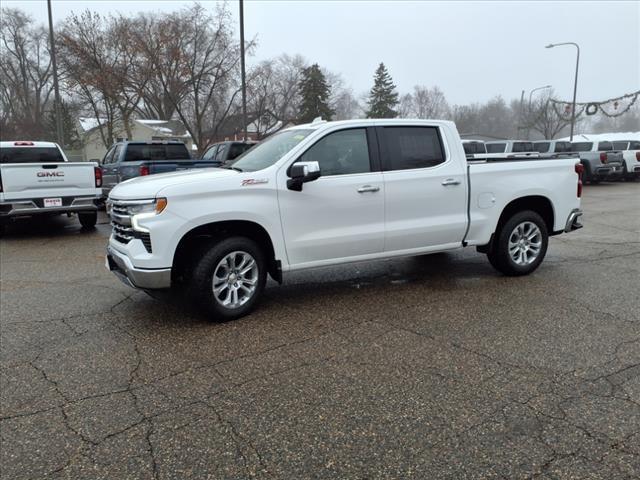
196, 59
25, 76
543, 118
96, 70
273, 92
424, 102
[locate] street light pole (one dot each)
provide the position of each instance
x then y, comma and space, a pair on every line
535, 90
56, 90
242, 71
575, 83
529, 108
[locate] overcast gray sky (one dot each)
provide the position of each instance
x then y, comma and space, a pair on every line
472, 50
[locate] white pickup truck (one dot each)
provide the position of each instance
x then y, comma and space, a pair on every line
37, 179
330, 193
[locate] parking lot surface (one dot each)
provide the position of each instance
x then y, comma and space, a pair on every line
427, 367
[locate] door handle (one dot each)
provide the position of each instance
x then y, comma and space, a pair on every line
450, 181
368, 188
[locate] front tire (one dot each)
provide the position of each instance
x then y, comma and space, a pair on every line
229, 278
88, 219
520, 245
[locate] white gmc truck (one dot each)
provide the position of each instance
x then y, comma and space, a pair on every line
37, 179
330, 193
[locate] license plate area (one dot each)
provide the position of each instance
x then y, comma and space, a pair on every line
52, 202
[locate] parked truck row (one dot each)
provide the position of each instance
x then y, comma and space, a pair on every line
601, 160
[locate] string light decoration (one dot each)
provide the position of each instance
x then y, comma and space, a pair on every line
613, 107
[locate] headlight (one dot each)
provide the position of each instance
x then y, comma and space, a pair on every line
155, 206
148, 209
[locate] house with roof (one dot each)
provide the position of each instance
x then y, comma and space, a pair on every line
93, 147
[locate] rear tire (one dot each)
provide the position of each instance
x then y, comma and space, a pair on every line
520, 245
229, 277
88, 219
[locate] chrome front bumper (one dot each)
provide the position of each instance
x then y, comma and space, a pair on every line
122, 267
572, 221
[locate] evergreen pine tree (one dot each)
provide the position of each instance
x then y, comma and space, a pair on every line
315, 93
383, 98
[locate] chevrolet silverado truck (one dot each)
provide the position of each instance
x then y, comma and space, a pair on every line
330, 193
599, 160
128, 159
631, 155
37, 179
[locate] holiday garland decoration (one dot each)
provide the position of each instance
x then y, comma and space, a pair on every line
591, 108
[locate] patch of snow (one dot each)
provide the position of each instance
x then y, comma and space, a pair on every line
151, 122
88, 123
598, 137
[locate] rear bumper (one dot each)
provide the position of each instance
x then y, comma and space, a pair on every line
122, 267
14, 208
608, 170
573, 222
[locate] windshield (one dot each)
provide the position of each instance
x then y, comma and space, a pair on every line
31, 155
620, 145
269, 151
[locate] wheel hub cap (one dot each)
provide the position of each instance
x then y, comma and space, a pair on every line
525, 243
235, 279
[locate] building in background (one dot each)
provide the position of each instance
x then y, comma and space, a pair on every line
93, 148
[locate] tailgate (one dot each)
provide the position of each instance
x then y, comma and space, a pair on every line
33, 180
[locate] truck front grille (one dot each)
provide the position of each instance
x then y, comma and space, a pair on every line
121, 226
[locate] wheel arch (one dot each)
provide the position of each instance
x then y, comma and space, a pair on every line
540, 204
194, 239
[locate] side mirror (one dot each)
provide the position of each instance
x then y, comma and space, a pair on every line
302, 172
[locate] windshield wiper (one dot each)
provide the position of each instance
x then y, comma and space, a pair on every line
230, 167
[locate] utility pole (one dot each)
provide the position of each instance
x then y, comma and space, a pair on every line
59, 134
529, 107
242, 72
575, 83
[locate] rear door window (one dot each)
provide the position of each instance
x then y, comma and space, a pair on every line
407, 148
562, 147
522, 147
542, 147
581, 146
30, 155
634, 145
496, 147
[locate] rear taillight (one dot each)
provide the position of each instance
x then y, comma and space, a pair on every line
603, 157
0, 183
97, 173
144, 170
638, 156
579, 168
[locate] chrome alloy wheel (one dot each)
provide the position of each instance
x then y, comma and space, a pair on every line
235, 279
525, 243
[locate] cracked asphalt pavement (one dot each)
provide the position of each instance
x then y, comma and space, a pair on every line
427, 367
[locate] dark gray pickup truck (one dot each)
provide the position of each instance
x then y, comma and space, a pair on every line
126, 160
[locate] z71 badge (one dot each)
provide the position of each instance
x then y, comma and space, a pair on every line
254, 181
